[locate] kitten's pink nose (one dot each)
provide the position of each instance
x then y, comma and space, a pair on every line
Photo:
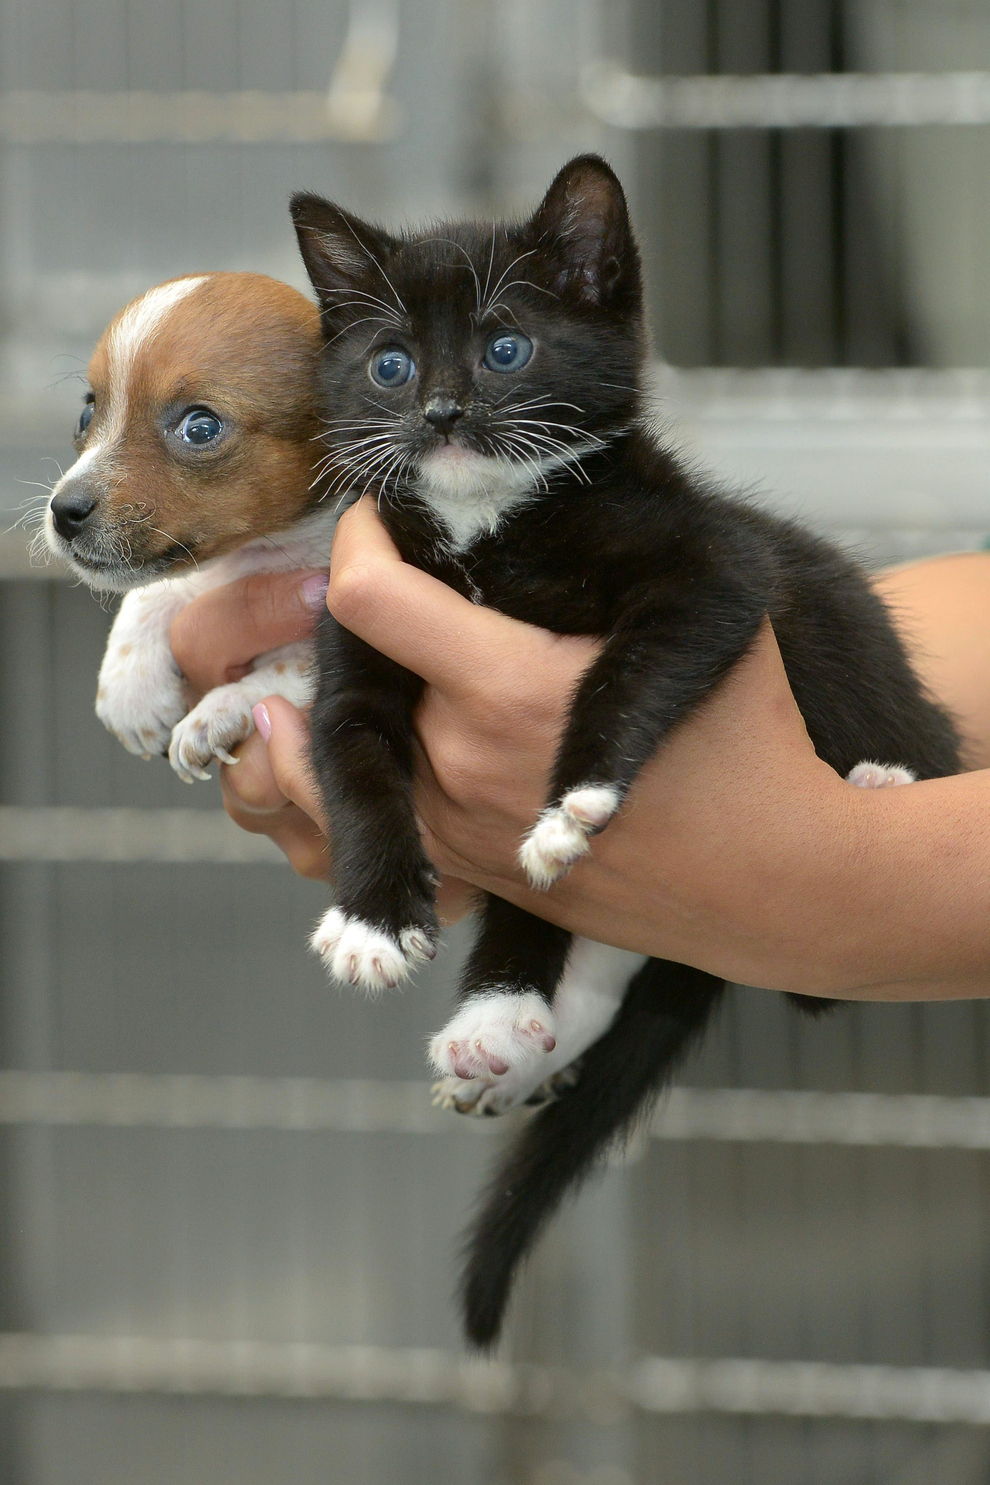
442, 413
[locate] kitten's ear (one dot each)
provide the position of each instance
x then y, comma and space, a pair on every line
339, 250
583, 225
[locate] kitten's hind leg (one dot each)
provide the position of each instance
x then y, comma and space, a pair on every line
503, 1023
584, 1004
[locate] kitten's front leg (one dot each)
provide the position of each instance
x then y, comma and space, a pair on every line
384, 921
649, 676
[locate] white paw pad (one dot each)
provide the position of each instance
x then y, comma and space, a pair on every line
561, 834
218, 723
493, 1036
357, 953
879, 776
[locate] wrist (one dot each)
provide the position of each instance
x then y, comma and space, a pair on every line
907, 899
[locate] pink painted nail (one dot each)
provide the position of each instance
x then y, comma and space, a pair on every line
262, 720
314, 591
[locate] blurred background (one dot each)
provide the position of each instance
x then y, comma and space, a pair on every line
228, 1215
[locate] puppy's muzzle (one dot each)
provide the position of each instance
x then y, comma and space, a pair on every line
71, 509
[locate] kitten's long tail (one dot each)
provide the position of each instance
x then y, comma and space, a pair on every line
664, 1010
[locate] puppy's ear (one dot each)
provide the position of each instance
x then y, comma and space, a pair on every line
582, 226
339, 250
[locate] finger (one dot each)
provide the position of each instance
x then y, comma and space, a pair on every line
412, 617
250, 787
289, 756
254, 800
216, 636
455, 900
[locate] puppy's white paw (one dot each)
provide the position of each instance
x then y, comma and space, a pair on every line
140, 697
357, 953
879, 776
561, 834
500, 1035
214, 726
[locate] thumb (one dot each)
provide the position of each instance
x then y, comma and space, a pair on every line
216, 637
413, 618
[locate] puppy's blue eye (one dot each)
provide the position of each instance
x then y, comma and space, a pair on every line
85, 418
391, 368
508, 352
199, 427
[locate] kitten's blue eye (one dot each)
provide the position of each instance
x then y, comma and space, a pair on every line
200, 427
508, 352
85, 418
391, 368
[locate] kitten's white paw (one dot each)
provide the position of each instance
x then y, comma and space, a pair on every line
487, 1099
214, 726
465, 1096
561, 834
879, 776
140, 697
357, 953
495, 1036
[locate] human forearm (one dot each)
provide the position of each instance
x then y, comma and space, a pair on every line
941, 607
738, 851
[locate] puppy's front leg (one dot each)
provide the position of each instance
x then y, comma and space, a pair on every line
223, 718
141, 693
384, 922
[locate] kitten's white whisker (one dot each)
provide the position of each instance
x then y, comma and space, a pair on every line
362, 294
367, 320
537, 402
502, 278
369, 254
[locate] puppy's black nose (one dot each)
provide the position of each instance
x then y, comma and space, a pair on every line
71, 509
442, 413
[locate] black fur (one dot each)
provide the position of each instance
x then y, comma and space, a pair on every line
621, 542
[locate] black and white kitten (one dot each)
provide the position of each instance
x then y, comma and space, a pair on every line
486, 384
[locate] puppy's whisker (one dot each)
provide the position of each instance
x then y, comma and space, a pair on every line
175, 542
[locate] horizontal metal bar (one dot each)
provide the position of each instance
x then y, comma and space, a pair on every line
811, 1389
379, 1374
195, 1101
845, 100
30, 116
358, 1105
63, 834
620, 98
915, 1121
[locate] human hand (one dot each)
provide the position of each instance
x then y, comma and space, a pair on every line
719, 857
214, 640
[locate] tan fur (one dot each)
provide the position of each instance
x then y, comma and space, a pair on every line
246, 347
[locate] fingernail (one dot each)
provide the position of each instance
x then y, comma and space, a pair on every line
262, 720
314, 591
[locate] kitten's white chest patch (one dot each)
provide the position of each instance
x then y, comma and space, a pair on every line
470, 493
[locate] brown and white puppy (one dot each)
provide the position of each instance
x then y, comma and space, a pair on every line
196, 466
